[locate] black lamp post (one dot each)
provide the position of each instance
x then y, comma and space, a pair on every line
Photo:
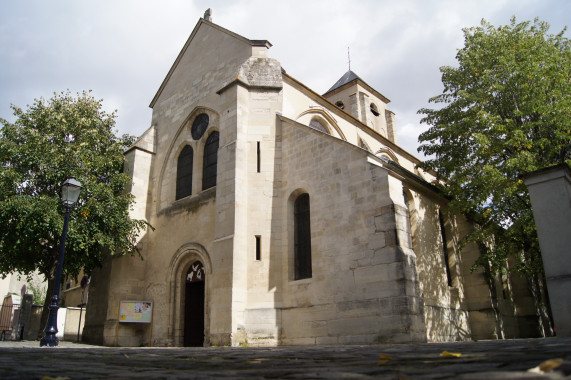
70, 190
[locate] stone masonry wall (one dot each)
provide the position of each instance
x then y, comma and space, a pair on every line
363, 288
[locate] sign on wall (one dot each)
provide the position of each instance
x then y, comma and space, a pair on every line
135, 311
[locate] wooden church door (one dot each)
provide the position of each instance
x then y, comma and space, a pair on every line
194, 306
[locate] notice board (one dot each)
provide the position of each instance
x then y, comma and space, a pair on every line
135, 311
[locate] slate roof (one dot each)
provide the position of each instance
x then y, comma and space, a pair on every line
349, 77
346, 78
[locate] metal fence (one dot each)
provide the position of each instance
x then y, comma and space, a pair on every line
9, 321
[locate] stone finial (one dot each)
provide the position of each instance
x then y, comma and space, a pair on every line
208, 15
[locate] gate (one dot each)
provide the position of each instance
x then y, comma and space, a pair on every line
9, 320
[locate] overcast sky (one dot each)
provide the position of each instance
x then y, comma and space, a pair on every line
123, 49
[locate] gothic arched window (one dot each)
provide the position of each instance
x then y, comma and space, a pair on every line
184, 173
315, 123
302, 238
210, 162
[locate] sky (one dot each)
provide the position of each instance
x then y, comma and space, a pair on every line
123, 49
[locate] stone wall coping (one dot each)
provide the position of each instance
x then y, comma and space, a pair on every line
547, 174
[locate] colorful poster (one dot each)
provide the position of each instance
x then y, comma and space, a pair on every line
135, 311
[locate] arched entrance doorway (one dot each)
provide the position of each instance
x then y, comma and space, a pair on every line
194, 306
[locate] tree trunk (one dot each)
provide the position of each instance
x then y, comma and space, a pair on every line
46, 309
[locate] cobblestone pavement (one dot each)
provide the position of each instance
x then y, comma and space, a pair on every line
505, 359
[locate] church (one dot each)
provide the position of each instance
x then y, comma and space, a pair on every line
284, 217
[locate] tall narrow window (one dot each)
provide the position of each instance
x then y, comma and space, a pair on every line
258, 156
210, 161
407, 202
302, 238
445, 248
184, 173
258, 247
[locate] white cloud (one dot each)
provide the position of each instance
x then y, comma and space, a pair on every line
123, 49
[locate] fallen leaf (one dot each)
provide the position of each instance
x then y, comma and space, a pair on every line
453, 354
546, 366
550, 365
384, 359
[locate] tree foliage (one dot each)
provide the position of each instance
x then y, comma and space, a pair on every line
505, 111
49, 142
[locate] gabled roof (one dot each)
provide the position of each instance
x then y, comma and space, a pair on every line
200, 23
322, 100
350, 77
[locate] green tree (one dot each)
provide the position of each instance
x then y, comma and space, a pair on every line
505, 111
49, 142
38, 289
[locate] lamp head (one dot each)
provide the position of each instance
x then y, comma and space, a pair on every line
70, 190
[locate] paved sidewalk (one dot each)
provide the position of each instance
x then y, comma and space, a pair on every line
507, 359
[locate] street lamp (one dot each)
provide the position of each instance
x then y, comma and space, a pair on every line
70, 190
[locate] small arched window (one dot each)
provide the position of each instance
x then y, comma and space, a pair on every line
374, 109
302, 238
340, 104
317, 124
184, 173
210, 161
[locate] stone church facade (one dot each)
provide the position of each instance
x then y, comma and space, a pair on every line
282, 216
